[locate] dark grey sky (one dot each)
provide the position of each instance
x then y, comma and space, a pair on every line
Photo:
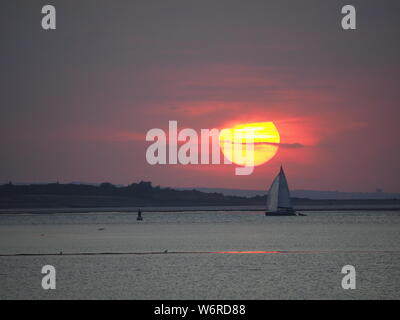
77, 102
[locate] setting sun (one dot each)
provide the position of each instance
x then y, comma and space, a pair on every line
264, 137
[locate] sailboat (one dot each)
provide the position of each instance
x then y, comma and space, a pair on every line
278, 201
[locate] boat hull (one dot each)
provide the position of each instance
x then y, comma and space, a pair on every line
285, 213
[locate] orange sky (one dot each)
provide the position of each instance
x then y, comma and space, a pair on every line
80, 109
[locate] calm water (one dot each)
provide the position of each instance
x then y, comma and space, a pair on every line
199, 263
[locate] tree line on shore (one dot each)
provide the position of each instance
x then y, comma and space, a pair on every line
141, 193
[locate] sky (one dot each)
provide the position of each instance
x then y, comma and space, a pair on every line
76, 102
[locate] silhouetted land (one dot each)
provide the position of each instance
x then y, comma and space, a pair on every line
106, 195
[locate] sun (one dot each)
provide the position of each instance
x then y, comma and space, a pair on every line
262, 136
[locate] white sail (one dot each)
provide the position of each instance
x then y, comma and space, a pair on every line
278, 194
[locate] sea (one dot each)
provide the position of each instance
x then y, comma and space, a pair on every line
200, 254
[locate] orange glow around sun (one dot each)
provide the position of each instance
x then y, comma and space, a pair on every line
264, 137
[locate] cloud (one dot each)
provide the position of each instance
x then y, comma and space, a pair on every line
292, 145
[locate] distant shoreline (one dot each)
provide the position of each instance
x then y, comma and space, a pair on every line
71, 198
171, 209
